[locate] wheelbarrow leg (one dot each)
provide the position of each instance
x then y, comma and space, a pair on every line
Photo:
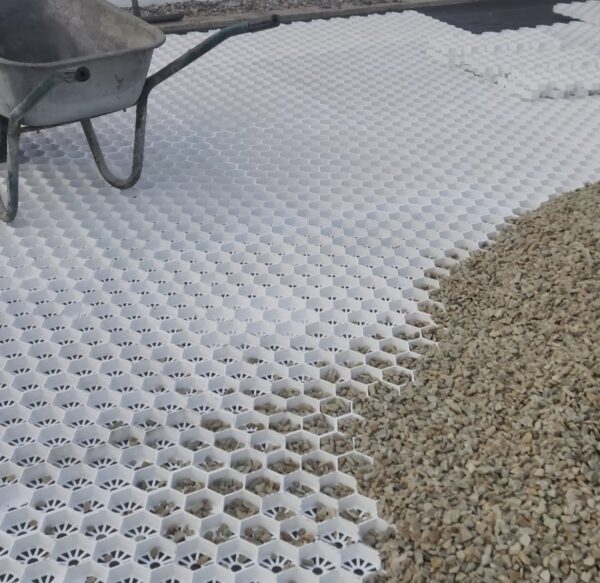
138, 149
8, 210
3, 138
142, 105
12, 131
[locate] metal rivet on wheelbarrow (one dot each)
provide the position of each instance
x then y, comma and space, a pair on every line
60, 52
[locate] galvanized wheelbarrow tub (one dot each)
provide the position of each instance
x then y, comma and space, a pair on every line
63, 61
94, 39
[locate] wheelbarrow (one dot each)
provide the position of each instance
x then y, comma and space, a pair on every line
65, 61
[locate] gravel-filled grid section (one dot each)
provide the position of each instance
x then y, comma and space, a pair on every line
488, 463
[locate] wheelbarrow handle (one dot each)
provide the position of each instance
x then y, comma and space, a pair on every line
206, 45
258, 25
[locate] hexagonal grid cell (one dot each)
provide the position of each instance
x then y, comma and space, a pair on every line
179, 364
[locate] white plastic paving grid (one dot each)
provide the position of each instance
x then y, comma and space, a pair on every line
558, 61
588, 11
182, 352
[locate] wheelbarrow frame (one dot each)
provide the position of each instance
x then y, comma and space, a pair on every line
12, 128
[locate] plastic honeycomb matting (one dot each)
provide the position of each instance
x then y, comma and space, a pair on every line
588, 11
178, 361
555, 62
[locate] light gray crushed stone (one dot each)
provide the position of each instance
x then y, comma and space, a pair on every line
488, 465
195, 7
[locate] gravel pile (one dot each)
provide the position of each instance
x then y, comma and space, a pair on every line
488, 464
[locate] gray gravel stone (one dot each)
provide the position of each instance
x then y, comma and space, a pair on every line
219, 535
